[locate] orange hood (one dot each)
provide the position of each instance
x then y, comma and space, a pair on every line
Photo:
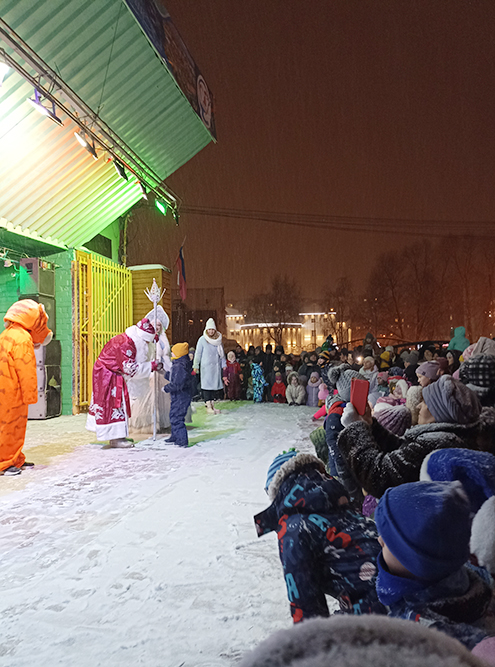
31, 316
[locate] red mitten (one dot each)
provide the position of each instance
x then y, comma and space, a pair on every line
156, 366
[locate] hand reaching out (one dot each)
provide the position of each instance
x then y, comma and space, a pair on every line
350, 415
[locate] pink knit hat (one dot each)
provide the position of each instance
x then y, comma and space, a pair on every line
429, 369
395, 418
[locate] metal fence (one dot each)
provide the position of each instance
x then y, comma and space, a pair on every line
102, 308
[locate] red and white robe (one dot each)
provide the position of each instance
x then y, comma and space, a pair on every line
110, 408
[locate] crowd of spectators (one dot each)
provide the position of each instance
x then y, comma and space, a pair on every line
395, 514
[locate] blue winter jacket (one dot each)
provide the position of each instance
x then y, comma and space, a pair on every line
180, 383
324, 547
337, 464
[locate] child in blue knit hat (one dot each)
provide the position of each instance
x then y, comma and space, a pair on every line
476, 471
424, 530
324, 546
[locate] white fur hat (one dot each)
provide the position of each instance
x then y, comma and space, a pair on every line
482, 542
349, 641
210, 324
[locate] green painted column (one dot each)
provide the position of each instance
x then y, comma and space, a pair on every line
63, 305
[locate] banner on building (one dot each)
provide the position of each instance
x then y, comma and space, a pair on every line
160, 30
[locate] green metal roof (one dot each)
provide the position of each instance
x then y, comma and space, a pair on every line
49, 185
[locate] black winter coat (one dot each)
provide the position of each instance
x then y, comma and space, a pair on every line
379, 459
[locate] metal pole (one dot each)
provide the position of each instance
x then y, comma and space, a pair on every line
155, 376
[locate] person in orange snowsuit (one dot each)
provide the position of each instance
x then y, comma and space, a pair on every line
26, 327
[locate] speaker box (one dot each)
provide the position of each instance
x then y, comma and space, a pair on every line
49, 402
49, 303
36, 276
49, 355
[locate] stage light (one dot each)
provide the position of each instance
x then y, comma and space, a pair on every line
44, 111
119, 168
161, 206
4, 68
84, 141
143, 190
81, 139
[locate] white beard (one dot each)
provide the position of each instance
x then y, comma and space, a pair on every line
142, 347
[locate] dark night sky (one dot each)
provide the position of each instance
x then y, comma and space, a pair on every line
373, 108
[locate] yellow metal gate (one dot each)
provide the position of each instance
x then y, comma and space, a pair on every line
102, 308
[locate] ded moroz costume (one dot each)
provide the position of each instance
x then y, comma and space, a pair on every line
122, 357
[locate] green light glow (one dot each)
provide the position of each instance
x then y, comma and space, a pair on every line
161, 206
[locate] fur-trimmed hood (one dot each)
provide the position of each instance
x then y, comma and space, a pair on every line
293, 466
300, 486
293, 374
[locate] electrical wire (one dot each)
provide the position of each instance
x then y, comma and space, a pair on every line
109, 60
431, 228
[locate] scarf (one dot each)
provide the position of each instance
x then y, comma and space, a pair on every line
391, 588
213, 341
216, 342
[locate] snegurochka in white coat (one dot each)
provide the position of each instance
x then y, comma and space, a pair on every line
209, 359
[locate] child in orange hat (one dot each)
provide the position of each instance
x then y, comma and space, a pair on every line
179, 389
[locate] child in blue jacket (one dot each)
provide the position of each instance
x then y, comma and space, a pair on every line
324, 546
424, 530
179, 389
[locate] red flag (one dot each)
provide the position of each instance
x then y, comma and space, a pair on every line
181, 275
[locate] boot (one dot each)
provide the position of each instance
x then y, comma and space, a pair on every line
12, 470
209, 408
120, 443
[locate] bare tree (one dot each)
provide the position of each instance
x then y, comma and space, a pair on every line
425, 271
469, 283
340, 299
422, 293
381, 308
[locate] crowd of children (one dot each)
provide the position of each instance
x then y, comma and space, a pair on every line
276, 377
395, 515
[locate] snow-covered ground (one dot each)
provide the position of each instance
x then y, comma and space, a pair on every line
146, 556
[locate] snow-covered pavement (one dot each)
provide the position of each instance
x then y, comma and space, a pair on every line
146, 556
